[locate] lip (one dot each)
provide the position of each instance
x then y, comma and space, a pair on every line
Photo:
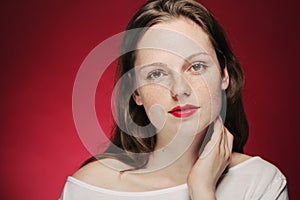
183, 111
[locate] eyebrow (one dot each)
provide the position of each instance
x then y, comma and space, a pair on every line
160, 64
197, 54
157, 64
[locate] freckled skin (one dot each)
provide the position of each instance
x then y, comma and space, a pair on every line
177, 87
202, 89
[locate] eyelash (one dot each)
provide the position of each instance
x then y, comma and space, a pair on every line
151, 74
203, 67
154, 74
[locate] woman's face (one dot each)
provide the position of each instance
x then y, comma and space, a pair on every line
179, 77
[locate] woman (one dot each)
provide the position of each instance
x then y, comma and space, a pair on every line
182, 81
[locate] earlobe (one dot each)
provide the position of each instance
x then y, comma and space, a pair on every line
225, 79
137, 98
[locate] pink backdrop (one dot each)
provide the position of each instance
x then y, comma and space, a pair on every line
43, 43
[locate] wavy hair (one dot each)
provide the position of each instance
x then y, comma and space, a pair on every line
151, 13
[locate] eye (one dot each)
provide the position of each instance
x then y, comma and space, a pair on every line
197, 67
155, 74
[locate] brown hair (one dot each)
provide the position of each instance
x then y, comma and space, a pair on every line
151, 13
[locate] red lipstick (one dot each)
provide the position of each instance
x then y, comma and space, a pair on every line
183, 111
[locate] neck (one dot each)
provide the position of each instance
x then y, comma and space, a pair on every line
175, 160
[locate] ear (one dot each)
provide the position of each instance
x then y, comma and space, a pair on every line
137, 98
225, 79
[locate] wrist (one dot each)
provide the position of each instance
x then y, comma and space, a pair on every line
201, 193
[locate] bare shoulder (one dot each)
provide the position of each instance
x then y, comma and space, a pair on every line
98, 174
238, 158
103, 173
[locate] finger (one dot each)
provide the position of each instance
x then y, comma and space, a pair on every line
223, 146
216, 130
230, 139
225, 143
215, 140
222, 139
219, 144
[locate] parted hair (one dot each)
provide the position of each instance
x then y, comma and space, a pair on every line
151, 13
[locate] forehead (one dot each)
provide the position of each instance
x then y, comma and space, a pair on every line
180, 36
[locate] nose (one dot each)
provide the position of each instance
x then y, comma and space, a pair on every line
180, 88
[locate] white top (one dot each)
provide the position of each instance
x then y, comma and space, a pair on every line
252, 179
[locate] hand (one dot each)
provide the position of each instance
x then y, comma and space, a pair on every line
212, 162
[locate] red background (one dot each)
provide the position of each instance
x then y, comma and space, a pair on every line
43, 44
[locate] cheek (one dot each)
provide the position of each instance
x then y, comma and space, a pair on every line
215, 100
153, 101
208, 94
152, 95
